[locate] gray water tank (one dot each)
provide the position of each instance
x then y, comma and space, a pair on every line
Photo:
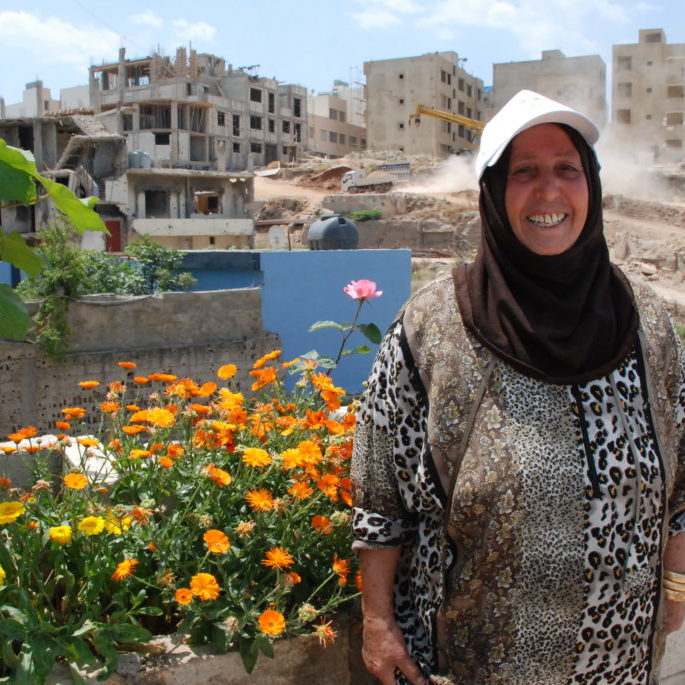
333, 232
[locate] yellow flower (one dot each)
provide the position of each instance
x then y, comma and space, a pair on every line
227, 371
92, 525
271, 622
116, 525
278, 558
3, 575
124, 569
217, 541
184, 595
60, 534
256, 457
11, 511
75, 481
204, 586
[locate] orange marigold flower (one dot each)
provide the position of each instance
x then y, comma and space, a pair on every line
300, 490
127, 365
141, 380
140, 515
183, 596
328, 484
341, 567
75, 481
204, 586
73, 413
244, 527
132, 430
139, 454
8, 449
322, 524
206, 390
165, 462
162, 418
278, 558
264, 377
219, 476
266, 358
124, 569
133, 407
5, 483
63, 425
310, 452
88, 442
271, 622
292, 459
292, 578
201, 409
256, 457
115, 445
151, 546
227, 371
358, 580
162, 377
110, 407
260, 500
23, 434
32, 448
325, 633
89, 384
174, 451
217, 541
287, 365
117, 387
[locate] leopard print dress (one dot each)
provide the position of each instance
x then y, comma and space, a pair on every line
548, 568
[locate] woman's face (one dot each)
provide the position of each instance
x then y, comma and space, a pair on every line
547, 193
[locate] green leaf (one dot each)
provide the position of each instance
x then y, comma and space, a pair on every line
148, 611
13, 248
248, 654
104, 646
25, 673
371, 331
81, 216
362, 349
266, 646
87, 627
9, 656
329, 324
14, 319
129, 632
76, 677
11, 629
17, 171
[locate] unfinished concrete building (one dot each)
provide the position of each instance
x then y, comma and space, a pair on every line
394, 87
197, 112
335, 126
579, 82
648, 96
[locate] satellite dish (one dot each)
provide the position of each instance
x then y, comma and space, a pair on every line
278, 237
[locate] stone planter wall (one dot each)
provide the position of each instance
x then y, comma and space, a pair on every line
189, 334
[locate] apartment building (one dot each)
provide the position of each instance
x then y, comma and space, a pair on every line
394, 88
579, 82
196, 112
648, 96
335, 125
36, 101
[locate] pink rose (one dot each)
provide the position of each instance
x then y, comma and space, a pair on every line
362, 290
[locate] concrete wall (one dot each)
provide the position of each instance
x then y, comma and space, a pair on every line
189, 334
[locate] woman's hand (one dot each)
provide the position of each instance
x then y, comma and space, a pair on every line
384, 651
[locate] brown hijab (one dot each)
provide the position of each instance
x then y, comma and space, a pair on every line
566, 318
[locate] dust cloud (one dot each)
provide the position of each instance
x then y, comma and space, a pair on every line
453, 175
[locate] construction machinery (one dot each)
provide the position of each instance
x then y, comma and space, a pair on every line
471, 124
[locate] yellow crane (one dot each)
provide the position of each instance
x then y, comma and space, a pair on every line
472, 124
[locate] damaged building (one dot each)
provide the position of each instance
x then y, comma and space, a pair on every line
194, 111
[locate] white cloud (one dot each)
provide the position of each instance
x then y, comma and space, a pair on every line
375, 18
147, 17
401, 6
199, 30
56, 41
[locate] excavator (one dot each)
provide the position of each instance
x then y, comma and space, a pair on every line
471, 124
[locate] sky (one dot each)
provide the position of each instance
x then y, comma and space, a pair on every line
312, 42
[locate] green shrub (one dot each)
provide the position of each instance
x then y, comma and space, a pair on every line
367, 215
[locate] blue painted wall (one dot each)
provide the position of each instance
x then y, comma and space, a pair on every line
303, 287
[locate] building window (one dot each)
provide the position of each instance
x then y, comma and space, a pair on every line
236, 148
363, 142
127, 122
648, 116
332, 113
674, 143
332, 137
625, 63
255, 95
297, 107
460, 84
623, 116
162, 139
353, 141
341, 115
674, 118
297, 132
649, 62
401, 75
625, 90
479, 94
401, 124
256, 147
256, 123
286, 127
462, 131
271, 125
341, 138
236, 124
649, 90
221, 118
401, 101
461, 107
272, 103
653, 38
469, 91
675, 91
469, 113
443, 76
285, 151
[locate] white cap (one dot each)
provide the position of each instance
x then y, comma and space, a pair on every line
524, 110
